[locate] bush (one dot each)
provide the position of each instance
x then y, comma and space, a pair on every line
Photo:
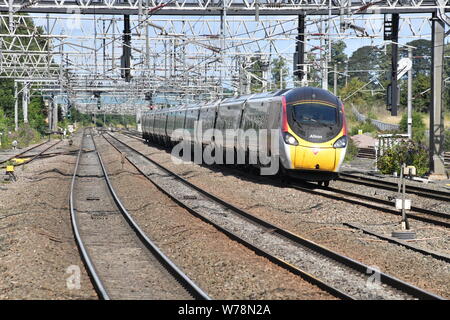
24, 136
366, 126
447, 140
352, 150
412, 153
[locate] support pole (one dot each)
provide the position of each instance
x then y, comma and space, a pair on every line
410, 96
16, 107
12, 26
335, 80
50, 113
147, 41
55, 115
223, 19
394, 64
126, 49
299, 56
25, 100
437, 168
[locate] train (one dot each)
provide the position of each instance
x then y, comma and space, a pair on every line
305, 132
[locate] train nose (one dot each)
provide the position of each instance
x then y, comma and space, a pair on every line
315, 158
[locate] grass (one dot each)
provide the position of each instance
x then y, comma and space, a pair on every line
384, 115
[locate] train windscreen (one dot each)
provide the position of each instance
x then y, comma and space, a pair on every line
315, 121
315, 113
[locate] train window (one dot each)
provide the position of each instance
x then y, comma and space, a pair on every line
315, 113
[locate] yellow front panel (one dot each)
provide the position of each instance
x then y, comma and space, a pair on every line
315, 158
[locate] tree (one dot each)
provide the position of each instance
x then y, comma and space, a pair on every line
339, 59
447, 75
25, 26
421, 56
352, 93
278, 67
421, 93
368, 58
37, 114
7, 98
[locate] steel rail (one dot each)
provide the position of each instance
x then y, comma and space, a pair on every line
423, 192
434, 254
98, 284
351, 263
19, 155
312, 188
179, 275
286, 265
369, 198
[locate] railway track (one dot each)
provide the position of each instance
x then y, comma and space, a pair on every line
337, 274
39, 150
420, 214
392, 186
122, 261
437, 218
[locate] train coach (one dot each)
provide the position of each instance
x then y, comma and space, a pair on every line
308, 124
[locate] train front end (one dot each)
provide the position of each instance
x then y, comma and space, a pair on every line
313, 133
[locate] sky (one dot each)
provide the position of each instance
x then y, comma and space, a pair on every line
372, 25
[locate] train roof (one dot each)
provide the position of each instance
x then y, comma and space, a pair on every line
292, 95
310, 93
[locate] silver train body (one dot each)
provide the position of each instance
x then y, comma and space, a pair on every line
310, 123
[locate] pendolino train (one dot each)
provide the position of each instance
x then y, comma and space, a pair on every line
310, 123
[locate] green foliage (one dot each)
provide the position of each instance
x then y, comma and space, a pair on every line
3, 121
37, 114
82, 118
366, 126
420, 93
25, 136
447, 140
338, 58
447, 75
351, 94
7, 99
278, 67
418, 126
366, 58
352, 151
36, 110
410, 153
372, 115
256, 68
421, 57
3, 129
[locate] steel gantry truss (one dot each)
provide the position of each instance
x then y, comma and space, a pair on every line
111, 54
233, 7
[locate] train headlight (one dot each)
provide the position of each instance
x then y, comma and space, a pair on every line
290, 139
341, 142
